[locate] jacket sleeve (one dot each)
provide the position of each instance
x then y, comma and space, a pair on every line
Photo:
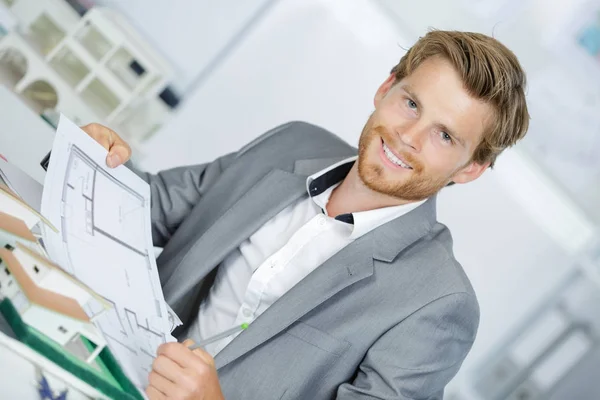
176, 191
418, 357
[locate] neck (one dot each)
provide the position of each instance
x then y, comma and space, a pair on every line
352, 195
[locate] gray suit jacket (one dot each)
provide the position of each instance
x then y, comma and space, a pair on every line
391, 316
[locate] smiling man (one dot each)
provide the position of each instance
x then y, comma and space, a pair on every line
335, 261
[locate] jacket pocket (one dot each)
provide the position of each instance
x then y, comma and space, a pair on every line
318, 338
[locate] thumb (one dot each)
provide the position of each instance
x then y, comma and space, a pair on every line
119, 154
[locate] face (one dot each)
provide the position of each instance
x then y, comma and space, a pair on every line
422, 134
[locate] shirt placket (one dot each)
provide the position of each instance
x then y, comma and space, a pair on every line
274, 265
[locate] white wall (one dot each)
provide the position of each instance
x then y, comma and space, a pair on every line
527, 27
306, 61
522, 38
189, 33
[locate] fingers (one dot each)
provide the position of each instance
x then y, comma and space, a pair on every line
118, 150
177, 372
164, 386
178, 353
199, 352
167, 368
100, 134
206, 358
154, 394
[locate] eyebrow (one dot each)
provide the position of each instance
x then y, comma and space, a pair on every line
440, 126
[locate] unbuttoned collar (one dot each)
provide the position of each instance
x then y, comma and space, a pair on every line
321, 184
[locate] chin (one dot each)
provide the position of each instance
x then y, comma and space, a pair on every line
408, 188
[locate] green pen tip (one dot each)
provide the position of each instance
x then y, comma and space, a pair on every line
244, 325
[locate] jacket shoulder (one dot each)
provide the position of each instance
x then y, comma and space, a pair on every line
296, 135
434, 267
441, 238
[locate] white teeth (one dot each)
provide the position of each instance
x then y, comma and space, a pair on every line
393, 158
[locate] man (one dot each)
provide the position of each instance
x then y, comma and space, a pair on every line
347, 283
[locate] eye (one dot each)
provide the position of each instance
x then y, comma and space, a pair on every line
445, 137
411, 104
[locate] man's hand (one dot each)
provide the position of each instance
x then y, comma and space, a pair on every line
183, 374
118, 150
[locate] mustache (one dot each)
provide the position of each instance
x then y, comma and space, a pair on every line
390, 141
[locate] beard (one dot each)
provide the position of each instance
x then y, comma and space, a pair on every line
418, 186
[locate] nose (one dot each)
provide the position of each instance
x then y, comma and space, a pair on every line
411, 135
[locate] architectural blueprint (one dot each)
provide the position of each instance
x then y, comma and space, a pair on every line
104, 240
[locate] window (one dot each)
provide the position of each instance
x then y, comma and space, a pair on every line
36, 269
62, 329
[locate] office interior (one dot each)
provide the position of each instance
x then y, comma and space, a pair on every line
527, 232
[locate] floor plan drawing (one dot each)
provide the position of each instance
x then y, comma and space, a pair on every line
105, 241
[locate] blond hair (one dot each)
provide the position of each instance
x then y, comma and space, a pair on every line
490, 72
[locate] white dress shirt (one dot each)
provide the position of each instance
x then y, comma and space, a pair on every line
281, 253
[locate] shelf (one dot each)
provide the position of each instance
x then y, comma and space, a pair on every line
93, 41
143, 118
69, 67
126, 68
100, 98
45, 33
151, 84
13, 66
40, 96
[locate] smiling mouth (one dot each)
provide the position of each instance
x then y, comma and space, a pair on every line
393, 158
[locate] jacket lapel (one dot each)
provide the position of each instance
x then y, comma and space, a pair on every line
347, 267
271, 194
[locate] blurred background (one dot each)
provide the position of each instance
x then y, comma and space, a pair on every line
186, 81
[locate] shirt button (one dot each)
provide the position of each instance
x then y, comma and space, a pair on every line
246, 313
321, 220
273, 263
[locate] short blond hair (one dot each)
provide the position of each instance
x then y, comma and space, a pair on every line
490, 72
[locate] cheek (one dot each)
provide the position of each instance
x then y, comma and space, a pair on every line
394, 112
442, 160
439, 145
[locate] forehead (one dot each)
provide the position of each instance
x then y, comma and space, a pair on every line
444, 99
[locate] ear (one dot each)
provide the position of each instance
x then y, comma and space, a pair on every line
383, 89
470, 172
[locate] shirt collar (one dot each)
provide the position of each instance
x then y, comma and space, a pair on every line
321, 184
329, 178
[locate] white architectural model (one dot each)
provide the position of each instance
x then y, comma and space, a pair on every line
48, 300
13, 230
94, 68
13, 205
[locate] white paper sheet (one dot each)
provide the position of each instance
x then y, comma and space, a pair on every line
104, 239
